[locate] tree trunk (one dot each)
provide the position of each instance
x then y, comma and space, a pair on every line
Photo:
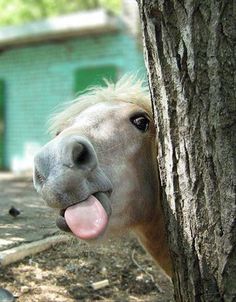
190, 57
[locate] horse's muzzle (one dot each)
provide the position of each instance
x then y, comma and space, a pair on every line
66, 171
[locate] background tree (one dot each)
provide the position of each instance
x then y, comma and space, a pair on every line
20, 11
190, 57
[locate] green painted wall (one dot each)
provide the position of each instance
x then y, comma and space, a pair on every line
2, 103
38, 78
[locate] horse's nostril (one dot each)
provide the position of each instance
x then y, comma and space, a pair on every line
80, 155
40, 179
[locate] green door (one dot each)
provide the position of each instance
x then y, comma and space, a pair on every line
93, 76
1, 123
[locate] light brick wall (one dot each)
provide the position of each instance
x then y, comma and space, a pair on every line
40, 77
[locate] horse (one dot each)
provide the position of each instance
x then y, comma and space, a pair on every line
99, 171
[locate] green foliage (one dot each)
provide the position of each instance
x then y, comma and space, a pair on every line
20, 11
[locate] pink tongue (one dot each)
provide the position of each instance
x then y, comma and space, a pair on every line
87, 219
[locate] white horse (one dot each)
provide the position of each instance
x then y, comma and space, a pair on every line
100, 171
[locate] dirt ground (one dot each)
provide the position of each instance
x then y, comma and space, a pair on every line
67, 272
35, 220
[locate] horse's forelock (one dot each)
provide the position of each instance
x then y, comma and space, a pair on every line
128, 89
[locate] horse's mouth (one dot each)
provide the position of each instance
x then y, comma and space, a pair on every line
87, 219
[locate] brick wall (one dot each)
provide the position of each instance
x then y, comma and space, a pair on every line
38, 78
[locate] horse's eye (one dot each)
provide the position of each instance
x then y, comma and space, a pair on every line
140, 122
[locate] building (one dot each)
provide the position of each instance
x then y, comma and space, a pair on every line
46, 63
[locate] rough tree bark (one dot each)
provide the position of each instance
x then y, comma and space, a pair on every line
190, 56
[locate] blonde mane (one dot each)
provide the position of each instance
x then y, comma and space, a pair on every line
127, 89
